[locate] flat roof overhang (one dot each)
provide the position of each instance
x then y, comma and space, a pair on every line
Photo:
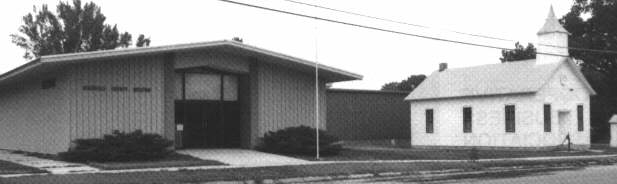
54, 62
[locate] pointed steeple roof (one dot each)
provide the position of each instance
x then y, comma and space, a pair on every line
552, 25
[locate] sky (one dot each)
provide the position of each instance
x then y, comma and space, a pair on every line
380, 57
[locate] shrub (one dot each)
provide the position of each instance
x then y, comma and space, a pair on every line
119, 146
299, 141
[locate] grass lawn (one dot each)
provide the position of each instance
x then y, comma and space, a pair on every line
174, 160
13, 168
442, 154
195, 176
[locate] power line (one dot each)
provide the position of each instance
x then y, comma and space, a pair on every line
394, 21
449, 30
376, 28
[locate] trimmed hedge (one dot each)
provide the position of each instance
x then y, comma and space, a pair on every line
119, 146
299, 141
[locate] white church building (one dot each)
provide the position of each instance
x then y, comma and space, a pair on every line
525, 104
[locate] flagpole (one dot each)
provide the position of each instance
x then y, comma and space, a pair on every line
316, 95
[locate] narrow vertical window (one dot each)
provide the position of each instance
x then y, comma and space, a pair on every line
510, 120
579, 112
467, 120
547, 117
429, 120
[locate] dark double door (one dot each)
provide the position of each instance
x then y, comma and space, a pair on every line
209, 124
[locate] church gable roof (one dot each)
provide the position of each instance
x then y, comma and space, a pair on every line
523, 77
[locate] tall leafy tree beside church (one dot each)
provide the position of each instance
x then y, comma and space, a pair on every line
593, 24
73, 28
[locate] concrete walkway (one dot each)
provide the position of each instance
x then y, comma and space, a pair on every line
243, 157
51, 166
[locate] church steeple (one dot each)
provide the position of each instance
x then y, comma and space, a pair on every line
552, 25
552, 41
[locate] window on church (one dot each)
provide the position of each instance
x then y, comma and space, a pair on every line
429, 120
579, 113
547, 117
467, 120
510, 120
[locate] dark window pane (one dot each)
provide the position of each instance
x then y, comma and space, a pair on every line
429, 120
579, 110
467, 119
510, 121
547, 118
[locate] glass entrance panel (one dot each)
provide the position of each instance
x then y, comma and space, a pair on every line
203, 86
230, 88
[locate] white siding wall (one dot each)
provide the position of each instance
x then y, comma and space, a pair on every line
488, 122
488, 118
561, 98
34, 119
95, 113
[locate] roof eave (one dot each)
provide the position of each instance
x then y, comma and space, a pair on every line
580, 75
340, 75
16, 71
471, 96
350, 75
541, 32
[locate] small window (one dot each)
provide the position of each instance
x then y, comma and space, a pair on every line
93, 88
142, 90
119, 88
547, 117
47, 84
510, 118
467, 120
429, 120
579, 113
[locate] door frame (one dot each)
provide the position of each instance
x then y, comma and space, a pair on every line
181, 121
564, 123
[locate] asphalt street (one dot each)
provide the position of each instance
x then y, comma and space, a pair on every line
589, 175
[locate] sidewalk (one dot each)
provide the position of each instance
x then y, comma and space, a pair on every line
51, 166
243, 157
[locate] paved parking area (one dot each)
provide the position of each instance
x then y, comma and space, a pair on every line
243, 157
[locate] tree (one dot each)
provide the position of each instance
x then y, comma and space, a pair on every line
599, 31
519, 53
408, 84
142, 41
237, 39
75, 28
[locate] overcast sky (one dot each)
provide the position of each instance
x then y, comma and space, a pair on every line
379, 56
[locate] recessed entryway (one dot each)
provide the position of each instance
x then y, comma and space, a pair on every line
564, 123
207, 109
